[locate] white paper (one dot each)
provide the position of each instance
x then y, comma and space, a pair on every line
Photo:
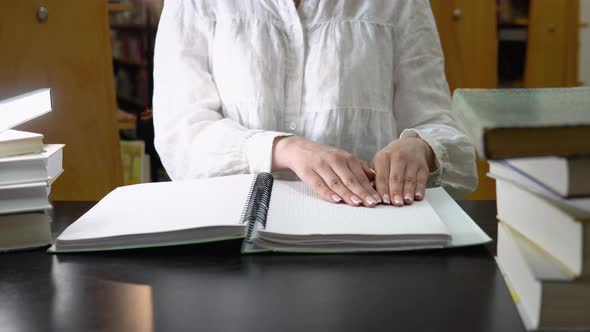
15, 135
578, 207
296, 210
463, 229
19, 198
164, 207
48, 150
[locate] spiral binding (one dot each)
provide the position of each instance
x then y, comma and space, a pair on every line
258, 202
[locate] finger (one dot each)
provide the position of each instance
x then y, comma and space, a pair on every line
410, 178
421, 180
357, 170
397, 170
382, 178
312, 179
352, 183
369, 172
335, 184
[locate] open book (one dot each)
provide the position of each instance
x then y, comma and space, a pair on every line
267, 214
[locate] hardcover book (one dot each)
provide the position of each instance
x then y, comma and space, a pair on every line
510, 123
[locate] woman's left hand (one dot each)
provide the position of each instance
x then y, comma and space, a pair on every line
402, 169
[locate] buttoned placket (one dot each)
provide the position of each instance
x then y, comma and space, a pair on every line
295, 67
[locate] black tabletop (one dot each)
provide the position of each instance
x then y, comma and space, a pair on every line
214, 288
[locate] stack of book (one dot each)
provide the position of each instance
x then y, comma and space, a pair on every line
538, 141
27, 170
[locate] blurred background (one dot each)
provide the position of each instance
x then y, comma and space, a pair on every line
97, 56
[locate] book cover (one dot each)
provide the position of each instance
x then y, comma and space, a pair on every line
20, 109
509, 123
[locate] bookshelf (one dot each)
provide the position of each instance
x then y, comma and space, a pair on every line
513, 24
119, 7
131, 103
133, 26
538, 43
129, 62
129, 26
126, 123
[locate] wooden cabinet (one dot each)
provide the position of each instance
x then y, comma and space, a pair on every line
553, 44
467, 30
68, 52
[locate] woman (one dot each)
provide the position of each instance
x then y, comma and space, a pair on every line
319, 88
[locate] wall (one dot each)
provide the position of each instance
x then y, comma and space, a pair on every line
585, 43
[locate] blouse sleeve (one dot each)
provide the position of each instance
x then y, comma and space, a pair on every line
192, 137
422, 100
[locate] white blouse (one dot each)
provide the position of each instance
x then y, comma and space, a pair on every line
231, 75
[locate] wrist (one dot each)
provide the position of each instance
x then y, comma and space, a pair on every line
280, 152
430, 156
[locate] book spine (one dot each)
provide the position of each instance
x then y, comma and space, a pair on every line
257, 205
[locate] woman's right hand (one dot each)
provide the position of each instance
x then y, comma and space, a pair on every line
337, 176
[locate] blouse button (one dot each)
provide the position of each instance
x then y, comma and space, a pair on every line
292, 126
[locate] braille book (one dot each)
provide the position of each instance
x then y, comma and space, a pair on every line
268, 214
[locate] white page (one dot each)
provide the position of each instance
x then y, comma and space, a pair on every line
16, 135
463, 229
19, 198
296, 210
43, 166
164, 207
578, 207
542, 265
48, 150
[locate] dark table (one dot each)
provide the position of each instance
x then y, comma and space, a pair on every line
214, 288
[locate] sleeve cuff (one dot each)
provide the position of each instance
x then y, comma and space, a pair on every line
259, 150
439, 154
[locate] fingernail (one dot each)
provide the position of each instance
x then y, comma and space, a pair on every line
419, 196
386, 199
397, 199
378, 198
372, 170
337, 198
371, 200
409, 199
355, 200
